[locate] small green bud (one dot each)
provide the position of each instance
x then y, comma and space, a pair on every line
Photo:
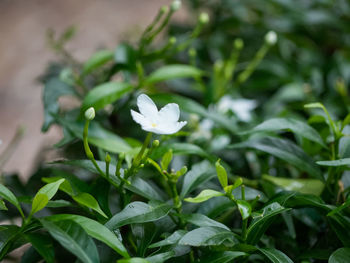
192, 52
164, 9
238, 43
203, 18
175, 5
172, 40
90, 114
271, 38
155, 143
108, 158
122, 156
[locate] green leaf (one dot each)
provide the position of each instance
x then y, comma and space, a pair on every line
97, 60
296, 126
341, 225
221, 173
8, 234
341, 255
201, 220
199, 174
43, 244
170, 240
181, 149
125, 55
191, 106
137, 186
44, 195
169, 72
207, 236
262, 220
304, 186
222, 257
285, 150
244, 208
73, 238
89, 201
6, 194
204, 196
167, 157
340, 208
133, 260
340, 162
95, 230
275, 255
3, 205
105, 94
54, 88
139, 212
98, 136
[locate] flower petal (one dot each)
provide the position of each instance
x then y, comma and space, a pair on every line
146, 106
170, 128
140, 119
169, 113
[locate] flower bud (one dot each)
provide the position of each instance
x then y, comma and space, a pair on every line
238, 44
192, 52
164, 9
172, 40
122, 156
155, 143
108, 158
271, 38
175, 5
90, 114
203, 18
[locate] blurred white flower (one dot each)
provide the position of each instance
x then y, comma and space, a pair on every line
165, 121
271, 37
240, 107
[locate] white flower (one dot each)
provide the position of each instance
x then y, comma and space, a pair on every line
271, 37
240, 107
164, 121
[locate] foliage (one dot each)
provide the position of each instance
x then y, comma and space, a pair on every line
258, 174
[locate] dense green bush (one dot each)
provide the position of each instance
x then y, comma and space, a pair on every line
257, 172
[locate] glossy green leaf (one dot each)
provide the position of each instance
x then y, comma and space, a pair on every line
161, 257
341, 225
139, 212
98, 136
169, 72
43, 244
8, 234
201, 220
133, 260
285, 150
207, 236
97, 60
275, 255
73, 238
105, 94
167, 157
170, 240
296, 126
137, 186
244, 208
304, 186
262, 220
89, 201
335, 163
54, 88
199, 174
222, 257
95, 230
204, 196
44, 195
6, 194
341, 255
221, 173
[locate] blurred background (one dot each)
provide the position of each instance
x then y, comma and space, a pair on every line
24, 55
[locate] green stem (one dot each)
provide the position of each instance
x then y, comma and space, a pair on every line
138, 158
245, 221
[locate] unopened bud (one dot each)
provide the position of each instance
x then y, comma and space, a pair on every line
238, 43
175, 5
192, 52
172, 40
271, 38
108, 158
122, 156
203, 18
164, 9
155, 143
90, 113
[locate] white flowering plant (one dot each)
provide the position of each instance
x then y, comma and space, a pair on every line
209, 145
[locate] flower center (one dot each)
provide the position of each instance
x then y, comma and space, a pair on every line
154, 125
